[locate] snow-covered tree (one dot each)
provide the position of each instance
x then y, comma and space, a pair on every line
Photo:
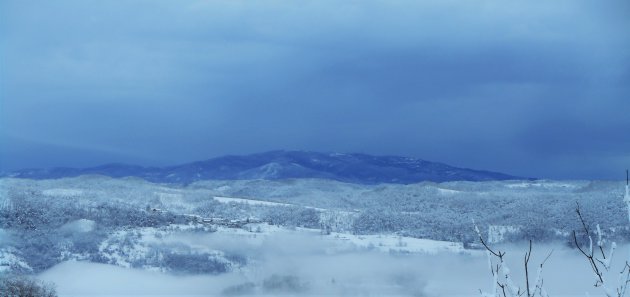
503, 285
613, 283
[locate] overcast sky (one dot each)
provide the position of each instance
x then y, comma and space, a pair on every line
530, 88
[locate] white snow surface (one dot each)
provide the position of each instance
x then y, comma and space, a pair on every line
79, 226
249, 201
447, 191
394, 243
541, 184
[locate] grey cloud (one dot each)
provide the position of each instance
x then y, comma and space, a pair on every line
493, 85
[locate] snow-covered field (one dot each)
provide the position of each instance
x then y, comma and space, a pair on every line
127, 237
248, 201
399, 244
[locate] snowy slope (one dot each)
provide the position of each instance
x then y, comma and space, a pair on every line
276, 165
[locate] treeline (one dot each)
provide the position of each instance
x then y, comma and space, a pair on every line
35, 224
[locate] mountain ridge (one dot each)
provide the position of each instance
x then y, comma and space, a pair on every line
352, 167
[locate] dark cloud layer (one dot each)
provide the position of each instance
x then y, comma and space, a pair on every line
536, 88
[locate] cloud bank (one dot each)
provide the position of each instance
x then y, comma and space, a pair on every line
533, 88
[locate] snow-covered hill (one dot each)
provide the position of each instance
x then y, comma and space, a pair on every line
172, 228
276, 165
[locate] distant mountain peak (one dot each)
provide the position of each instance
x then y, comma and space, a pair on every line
346, 167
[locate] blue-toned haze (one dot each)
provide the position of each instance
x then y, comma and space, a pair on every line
529, 88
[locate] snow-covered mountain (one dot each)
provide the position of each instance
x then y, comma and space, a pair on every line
353, 168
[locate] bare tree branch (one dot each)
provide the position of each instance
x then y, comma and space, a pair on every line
527, 255
498, 254
589, 256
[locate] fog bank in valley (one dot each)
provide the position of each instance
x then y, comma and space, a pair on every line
307, 265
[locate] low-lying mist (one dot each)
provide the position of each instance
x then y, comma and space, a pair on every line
305, 264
